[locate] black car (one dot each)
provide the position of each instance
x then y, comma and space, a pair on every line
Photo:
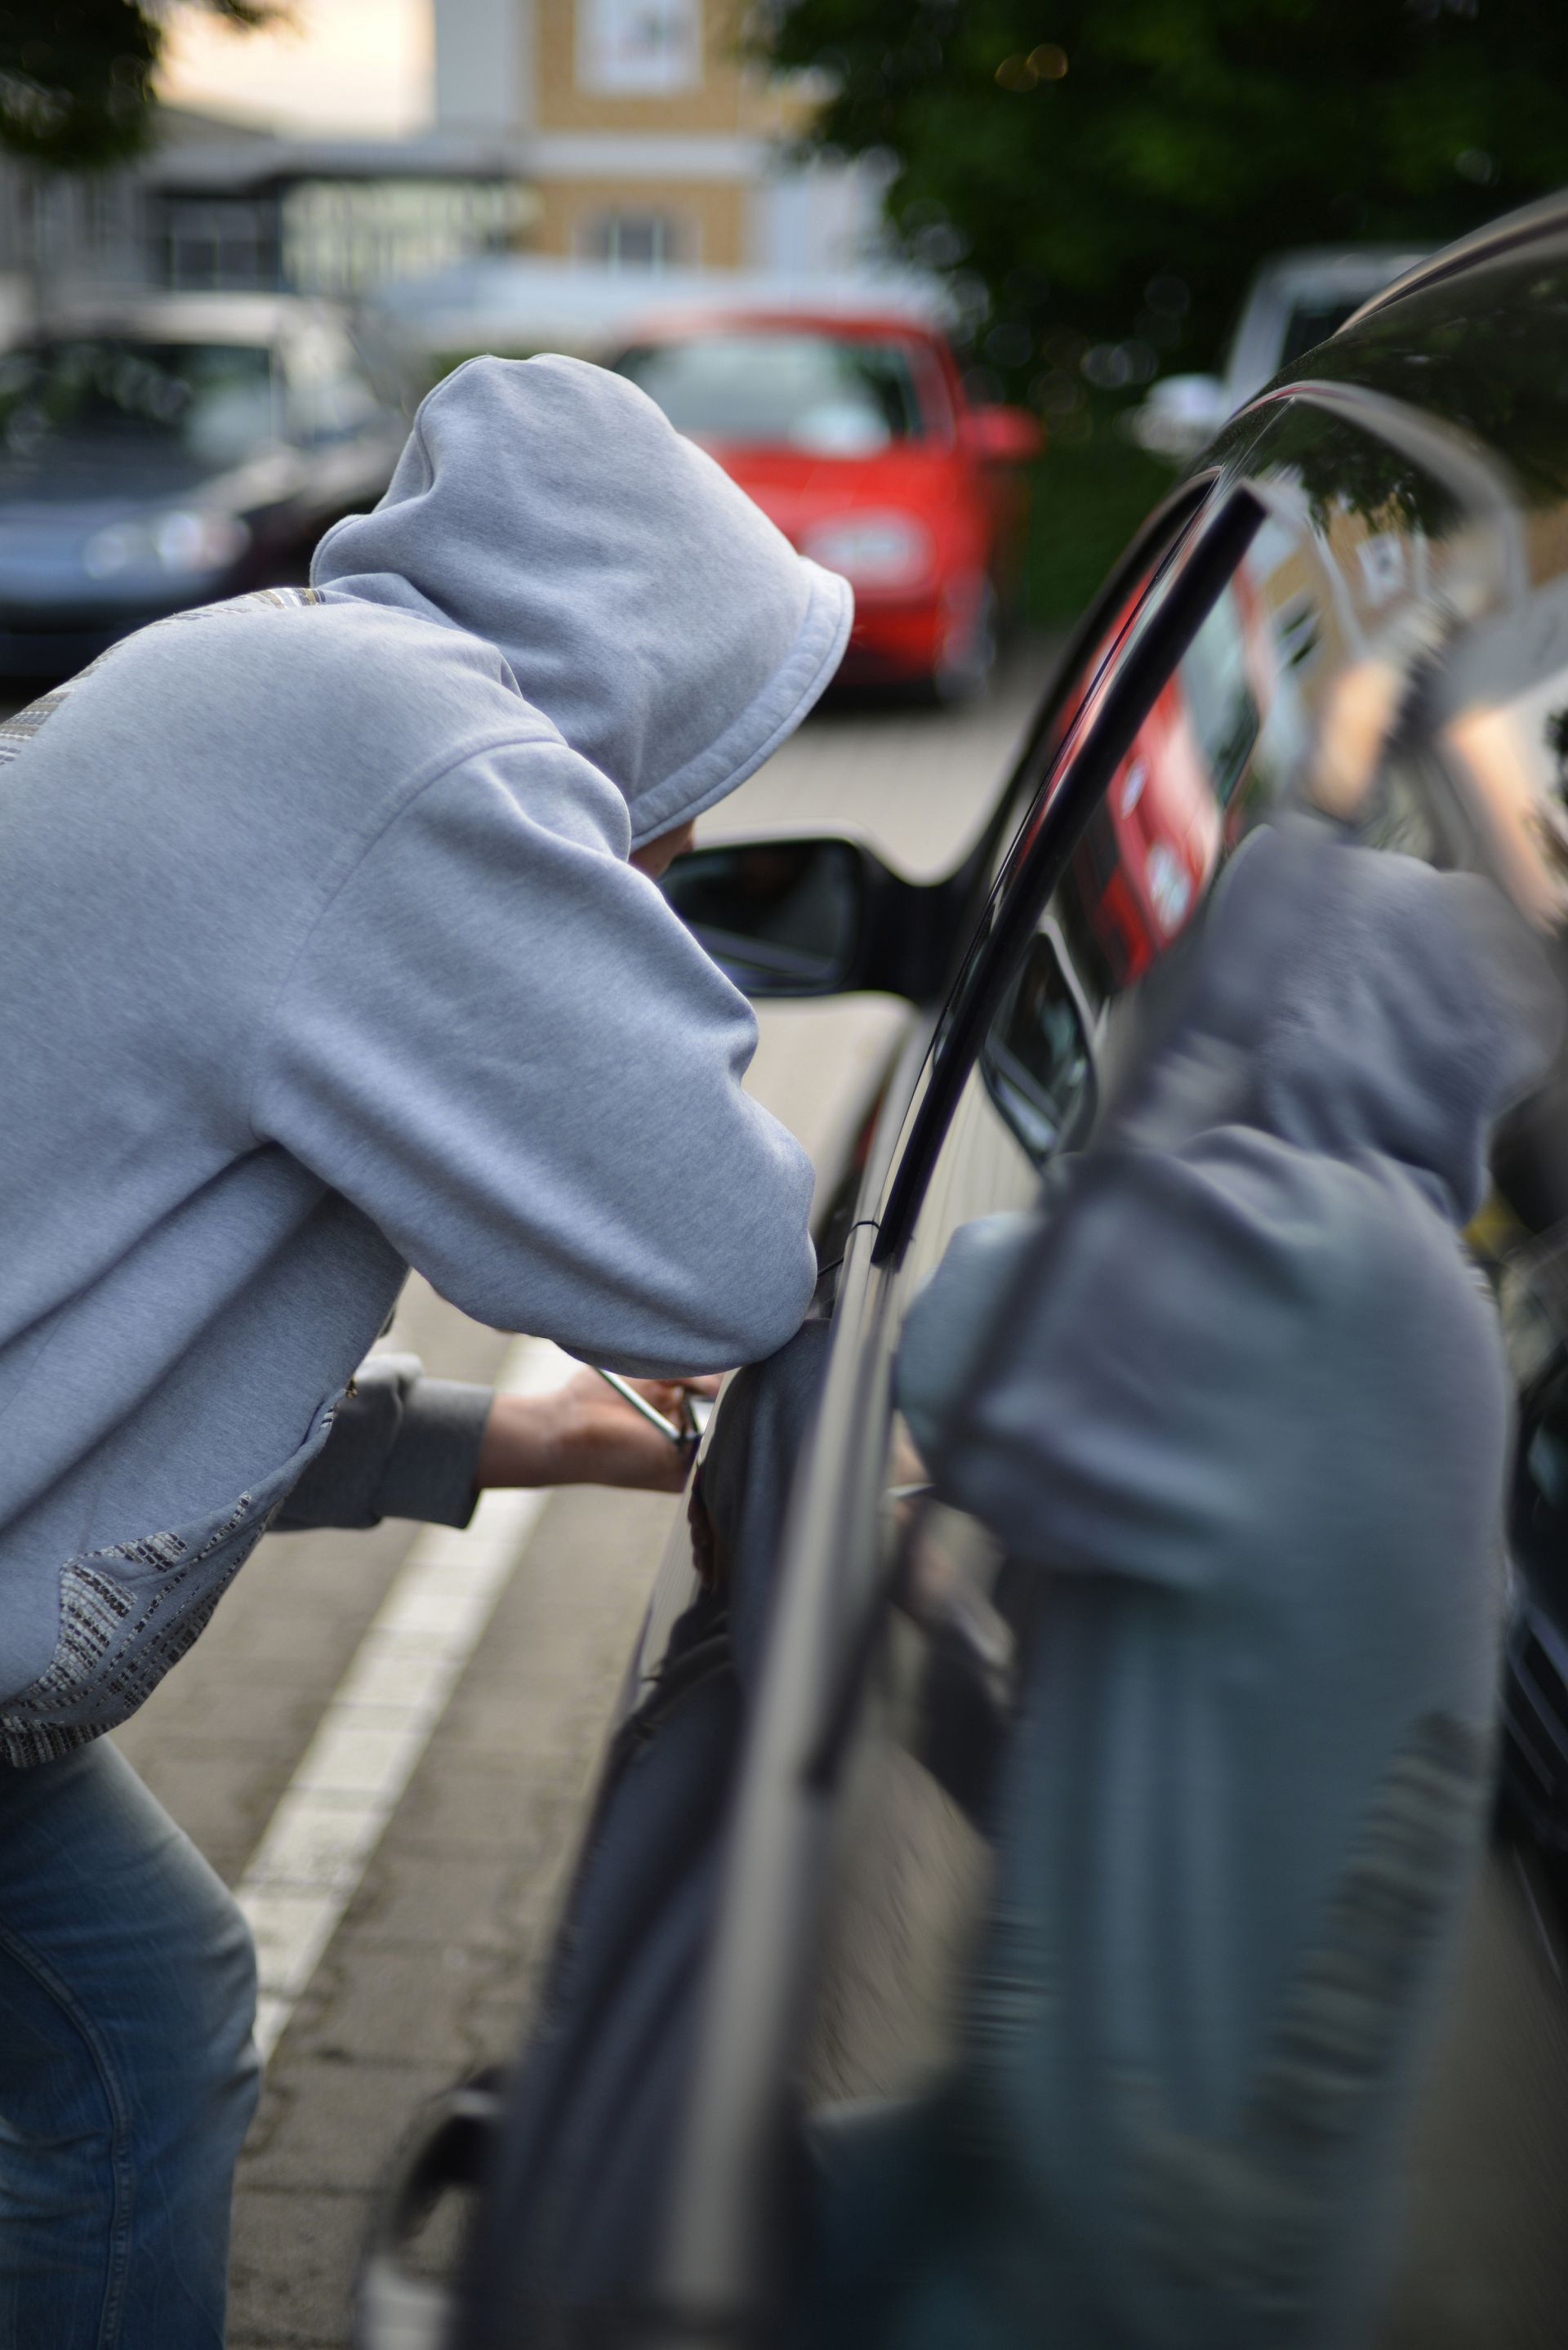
171, 453
1359, 599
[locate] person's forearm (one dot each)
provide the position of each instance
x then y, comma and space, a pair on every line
522, 1442
584, 1434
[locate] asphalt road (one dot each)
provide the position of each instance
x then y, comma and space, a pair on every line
432, 1941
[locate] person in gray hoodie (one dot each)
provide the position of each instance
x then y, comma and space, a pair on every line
324, 954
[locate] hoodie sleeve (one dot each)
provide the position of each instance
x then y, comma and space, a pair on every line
500, 1043
400, 1446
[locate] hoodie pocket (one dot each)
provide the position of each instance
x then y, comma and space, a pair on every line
130, 1611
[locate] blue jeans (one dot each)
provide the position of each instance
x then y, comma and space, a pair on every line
127, 2073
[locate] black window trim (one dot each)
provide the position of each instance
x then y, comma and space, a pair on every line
1208, 566
1159, 542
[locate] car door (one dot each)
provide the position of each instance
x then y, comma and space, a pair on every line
1308, 588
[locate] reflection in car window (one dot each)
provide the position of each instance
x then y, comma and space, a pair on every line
1388, 532
830, 396
212, 400
1507, 735
1036, 1059
1486, 361
1182, 795
1222, 697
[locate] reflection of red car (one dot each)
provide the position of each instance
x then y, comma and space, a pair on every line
1151, 846
855, 435
1163, 825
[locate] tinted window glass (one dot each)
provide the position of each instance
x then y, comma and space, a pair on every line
1037, 1060
1222, 697
1219, 740
1384, 525
816, 392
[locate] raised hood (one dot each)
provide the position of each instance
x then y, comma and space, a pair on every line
642, 602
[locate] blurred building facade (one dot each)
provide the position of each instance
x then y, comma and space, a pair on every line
597, 138
650, 141
218, 205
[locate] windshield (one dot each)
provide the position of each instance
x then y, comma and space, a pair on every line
210, 401
811, 392
1311, 323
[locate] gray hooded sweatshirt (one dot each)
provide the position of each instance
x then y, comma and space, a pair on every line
1243, 1399
320, 957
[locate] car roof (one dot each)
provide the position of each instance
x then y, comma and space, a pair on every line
1339, 268
679, 326
1531, 224
187, 317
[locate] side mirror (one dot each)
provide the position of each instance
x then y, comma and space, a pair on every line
812, 917
1003, 436
1181, 415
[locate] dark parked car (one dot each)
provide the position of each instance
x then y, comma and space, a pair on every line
171, 453
1358, 601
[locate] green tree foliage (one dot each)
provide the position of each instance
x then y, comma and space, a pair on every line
1108, 172
75, 77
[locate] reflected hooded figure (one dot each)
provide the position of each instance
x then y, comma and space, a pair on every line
1240, 1395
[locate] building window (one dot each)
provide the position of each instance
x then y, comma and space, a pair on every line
632, 240
640, 48
221, 243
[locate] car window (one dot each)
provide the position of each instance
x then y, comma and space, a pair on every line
213, 400
1501, 733
1209, 759
329, 397
1216, 752
826, 395
1222, 748
1037, 1061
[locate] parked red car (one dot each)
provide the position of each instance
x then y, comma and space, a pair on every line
857, 437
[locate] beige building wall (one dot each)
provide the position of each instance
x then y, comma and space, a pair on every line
727, 94
648, 134
709, 218
691, 205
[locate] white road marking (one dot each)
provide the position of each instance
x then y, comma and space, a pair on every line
351, 1777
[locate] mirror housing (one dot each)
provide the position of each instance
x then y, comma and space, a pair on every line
818, 915
1003, 436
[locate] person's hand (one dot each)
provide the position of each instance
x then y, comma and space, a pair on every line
584, 1434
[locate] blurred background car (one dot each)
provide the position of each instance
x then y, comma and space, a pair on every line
1295, 301
170, 452
856, 436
